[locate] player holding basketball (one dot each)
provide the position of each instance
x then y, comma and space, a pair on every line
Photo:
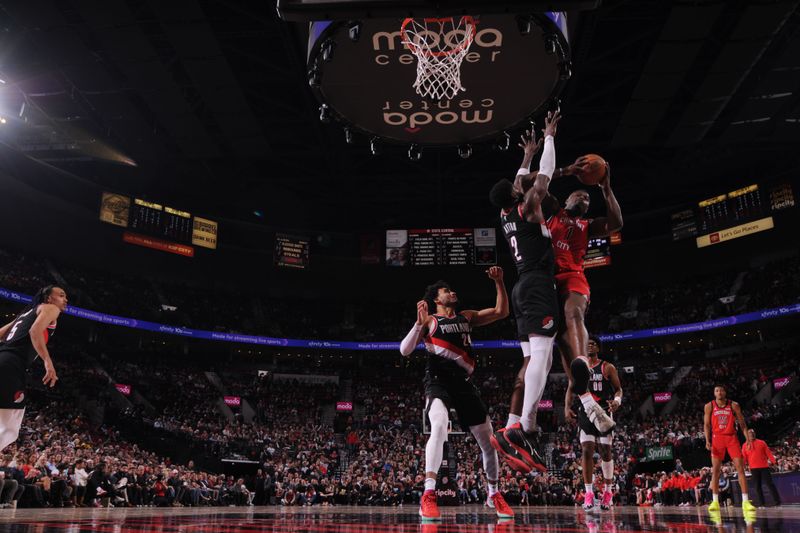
447, 382
605, 387
570, 232
21, 341
534, 297
719, 421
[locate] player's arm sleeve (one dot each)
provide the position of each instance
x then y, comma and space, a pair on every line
409, 343
547, 163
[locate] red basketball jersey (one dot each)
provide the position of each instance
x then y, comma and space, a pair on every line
570, 237
722, 419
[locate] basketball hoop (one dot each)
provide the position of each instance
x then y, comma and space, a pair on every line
440, 45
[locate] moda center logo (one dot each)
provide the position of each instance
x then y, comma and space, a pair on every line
486, 47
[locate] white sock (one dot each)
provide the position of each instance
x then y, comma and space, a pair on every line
715, 497
587, 400
512, 419
745, 497
589, 488
492, 488
430, 484
607, 487
536, 378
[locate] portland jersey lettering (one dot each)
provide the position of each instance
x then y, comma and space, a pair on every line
449, 344
600, 386
529, 242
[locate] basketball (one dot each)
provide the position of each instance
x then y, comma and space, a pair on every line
594, 171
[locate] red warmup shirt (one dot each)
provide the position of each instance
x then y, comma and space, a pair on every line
757, 454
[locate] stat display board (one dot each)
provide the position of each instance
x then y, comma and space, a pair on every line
441, 247
291, 251
598, 253
754, 203
168, 225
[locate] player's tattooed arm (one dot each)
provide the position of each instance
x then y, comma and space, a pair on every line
500, 309
605, 226
707, 425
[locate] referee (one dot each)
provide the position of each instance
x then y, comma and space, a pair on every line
758, 456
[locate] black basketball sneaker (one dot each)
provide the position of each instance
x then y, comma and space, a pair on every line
519, 449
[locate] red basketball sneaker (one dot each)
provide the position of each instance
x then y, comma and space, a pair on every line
428, 509
498, 503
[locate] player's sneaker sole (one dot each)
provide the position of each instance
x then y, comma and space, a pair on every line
604, 423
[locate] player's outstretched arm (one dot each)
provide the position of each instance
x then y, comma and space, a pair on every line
613, 376
530, 147
532, 203
605, 226
500, 309
707, 424
409, 343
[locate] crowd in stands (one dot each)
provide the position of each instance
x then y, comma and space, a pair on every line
67, 455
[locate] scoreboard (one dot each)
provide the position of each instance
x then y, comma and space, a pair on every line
441, 247
161, 221
733, 214
291, 252
165, 228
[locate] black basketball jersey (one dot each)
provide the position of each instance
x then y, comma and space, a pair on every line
529, 242
449, 346
600, 386
18, 341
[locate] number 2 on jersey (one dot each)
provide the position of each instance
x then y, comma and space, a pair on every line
517, 255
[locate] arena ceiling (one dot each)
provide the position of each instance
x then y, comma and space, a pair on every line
209, 99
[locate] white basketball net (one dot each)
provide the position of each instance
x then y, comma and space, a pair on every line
440, 45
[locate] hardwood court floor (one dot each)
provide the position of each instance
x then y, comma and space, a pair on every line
467, 519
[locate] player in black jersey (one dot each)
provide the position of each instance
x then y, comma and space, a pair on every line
21, 341
605, 387
450, 364
534, 297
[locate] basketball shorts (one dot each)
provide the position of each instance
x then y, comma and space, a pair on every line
591, 433
457, 393
568, 282
535, 303
725, 443
12, 382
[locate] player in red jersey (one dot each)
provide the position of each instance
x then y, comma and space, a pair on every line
720, 416
570, 232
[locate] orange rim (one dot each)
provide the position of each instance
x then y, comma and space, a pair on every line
470, 22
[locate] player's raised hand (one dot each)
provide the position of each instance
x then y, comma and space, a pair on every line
605, 183
551, 123
569, 415
529, 144
495, 273
422, 312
